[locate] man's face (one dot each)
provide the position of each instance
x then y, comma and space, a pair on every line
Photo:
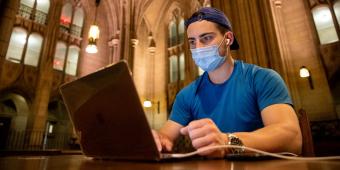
203, 33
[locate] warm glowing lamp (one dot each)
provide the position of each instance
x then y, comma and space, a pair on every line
305, 73
147, 103
93, 34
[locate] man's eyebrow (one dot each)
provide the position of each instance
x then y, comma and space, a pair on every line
202, 35
207, 33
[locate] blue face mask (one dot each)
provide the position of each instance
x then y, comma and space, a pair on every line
208, 58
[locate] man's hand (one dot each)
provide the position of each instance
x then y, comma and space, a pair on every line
203, 133
162, 141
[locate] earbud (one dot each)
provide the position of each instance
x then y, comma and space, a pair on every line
228, 40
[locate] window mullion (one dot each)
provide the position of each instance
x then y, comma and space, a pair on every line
34, 10
72, 18
23, 55
335, 21
66, 58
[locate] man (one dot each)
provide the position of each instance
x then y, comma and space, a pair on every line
232, 102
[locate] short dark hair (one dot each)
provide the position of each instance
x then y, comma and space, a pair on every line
222, 29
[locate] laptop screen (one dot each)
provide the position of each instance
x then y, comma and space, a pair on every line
107, 113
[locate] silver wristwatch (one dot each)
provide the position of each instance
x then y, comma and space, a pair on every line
234, 140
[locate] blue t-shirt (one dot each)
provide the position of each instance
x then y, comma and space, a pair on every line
236, 104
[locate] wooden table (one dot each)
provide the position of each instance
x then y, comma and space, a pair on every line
74, 162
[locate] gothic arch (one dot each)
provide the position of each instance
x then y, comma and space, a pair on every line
139, 13
169, 8
114, 16
144, 25
21, 110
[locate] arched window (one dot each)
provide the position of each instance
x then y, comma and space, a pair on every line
28, 3
59, 56
324, 24
182, 66
72, 60
33, 49
336, 8
26, 7
78, 21
42, 10
172, 33
16, 45
66, 17
181, 30
173, 69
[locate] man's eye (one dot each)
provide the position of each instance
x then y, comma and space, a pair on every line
191, 42
206, 39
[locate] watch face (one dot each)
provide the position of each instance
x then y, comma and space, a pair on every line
234, 140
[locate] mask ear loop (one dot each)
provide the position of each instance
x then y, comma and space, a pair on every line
219, 45
228, 40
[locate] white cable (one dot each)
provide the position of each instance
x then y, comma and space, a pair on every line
282, 155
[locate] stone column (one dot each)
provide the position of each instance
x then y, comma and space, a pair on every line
134, 43
286, 64
126, 30
113, 44
8, 10
37, 121
150, 84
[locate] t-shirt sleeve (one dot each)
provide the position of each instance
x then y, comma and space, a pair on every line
270, 89
181, 109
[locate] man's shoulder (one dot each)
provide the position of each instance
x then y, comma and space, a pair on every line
253, 70
191, 88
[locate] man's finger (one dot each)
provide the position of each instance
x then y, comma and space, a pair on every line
192, 125
184, 131
198, 123
197, 133
168, 145
157, 140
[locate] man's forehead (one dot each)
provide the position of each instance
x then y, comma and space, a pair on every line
200, 27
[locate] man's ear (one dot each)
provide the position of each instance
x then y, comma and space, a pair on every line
230, 37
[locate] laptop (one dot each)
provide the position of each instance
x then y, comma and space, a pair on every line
108, 117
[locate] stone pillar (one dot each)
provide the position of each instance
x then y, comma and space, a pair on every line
134, 43
45, 78
126, 30
150, 79
113, 44
285, 63
8, 10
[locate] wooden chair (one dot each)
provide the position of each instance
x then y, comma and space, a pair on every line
307, 140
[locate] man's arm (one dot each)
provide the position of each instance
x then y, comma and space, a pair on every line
165, 136
281, 131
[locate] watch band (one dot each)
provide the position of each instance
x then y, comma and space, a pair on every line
234, 140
